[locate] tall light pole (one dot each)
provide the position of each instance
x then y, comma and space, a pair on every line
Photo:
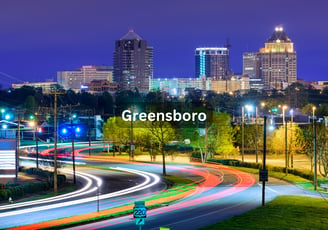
291, 139
256, 137
242, 133
314, 148
285, 125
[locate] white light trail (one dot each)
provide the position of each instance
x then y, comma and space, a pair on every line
144, 185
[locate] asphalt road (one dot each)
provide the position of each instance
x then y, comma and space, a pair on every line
208, 207
222, 193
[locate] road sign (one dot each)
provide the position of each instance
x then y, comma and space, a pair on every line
140, 221
263, 175
139, 210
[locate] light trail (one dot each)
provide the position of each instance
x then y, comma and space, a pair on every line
244, 181
146, 184
76, 193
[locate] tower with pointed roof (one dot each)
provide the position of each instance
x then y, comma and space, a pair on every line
277, 61
133, 63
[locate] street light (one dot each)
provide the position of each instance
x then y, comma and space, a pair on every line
291, 112
33, 124
285, 125
242, 133
314, 149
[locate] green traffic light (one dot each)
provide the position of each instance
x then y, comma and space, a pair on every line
31, 117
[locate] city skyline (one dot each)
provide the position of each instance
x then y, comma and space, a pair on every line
39, 38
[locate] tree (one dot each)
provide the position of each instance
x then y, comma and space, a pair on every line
223, 132
322, 148
161, 132
252, 137
117, 131
295, 141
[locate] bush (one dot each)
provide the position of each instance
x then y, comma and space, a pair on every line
16, 191
303, 174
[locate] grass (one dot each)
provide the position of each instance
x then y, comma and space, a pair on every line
178, 184
66, 189
285, 212
304, 183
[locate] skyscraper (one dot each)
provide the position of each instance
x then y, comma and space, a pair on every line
277, 61
133, 63
251, 69
212, 63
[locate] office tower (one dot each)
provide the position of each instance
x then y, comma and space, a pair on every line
79, 79
251, 69
212, 63
133, 63
277, 61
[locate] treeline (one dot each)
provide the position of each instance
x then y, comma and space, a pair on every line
296, 95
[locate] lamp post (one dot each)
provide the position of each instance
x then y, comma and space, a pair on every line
285, 125
291, 139
314, 148
242, 133
257, 135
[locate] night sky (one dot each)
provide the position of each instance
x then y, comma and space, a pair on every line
40, 37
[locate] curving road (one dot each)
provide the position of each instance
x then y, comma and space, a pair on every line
221, 192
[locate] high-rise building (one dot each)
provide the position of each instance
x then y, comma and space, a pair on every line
277, 61
251, 69
79, 79
212, 63
133, 63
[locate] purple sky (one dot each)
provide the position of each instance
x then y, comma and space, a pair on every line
40, 37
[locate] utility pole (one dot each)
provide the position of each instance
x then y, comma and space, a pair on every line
36, 141
55, 93
55, 143
73, 151
89, 131
18, 140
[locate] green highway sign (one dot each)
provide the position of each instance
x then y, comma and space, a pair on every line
139, 210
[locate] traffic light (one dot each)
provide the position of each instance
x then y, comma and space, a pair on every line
31, 117
275, 110
77, 130
39, 129
64, 131
74, 115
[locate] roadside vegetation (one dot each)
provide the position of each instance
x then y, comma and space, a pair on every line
285, 212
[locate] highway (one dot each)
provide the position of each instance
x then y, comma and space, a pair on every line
109, 185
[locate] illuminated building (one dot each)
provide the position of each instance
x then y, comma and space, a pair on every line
251, 69
277, 61
45, 86
178, 86
133, 63
212, 63
236, 83
77, 80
